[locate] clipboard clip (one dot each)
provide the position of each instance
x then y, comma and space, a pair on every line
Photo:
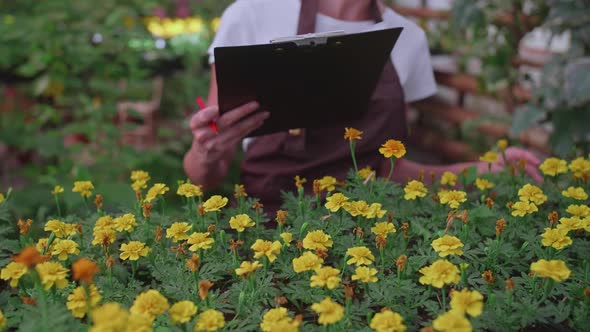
310, 39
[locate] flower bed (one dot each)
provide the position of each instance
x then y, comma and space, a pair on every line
493, 251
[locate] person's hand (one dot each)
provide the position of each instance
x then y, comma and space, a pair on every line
514, 156
232, 128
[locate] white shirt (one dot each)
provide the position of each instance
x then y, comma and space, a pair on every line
248, 22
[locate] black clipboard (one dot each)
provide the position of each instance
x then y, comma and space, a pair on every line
304, 83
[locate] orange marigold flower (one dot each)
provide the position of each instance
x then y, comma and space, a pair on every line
488, 277
24, 226
500, 226
84, 269
30, 257
352, 134
392, 148
204, 286
193, 262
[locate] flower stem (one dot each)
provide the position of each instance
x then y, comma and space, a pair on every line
356, 169
58, 207
392, 162
444, 299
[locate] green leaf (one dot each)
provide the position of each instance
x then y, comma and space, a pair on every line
525, 117
577, 82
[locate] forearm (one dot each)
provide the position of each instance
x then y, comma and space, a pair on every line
203, 172
405, 169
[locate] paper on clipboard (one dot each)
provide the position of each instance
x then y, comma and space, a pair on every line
308, 39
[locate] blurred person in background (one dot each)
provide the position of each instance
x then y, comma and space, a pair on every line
271, 161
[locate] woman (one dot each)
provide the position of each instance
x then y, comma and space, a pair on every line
272, 161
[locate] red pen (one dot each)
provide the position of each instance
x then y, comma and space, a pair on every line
202, 105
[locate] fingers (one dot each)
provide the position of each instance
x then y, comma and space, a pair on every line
235, 115
203, 117
533, 172
237, 132
518, 153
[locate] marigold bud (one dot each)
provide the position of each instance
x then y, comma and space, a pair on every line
98, 201
348, 291
24, 226
489, 202
587, 292
193, 263
405, 229
421, 175
257, 206
463, 216
110, 262
234, 245
322, 253
299, 244
488, 277
29, 300
211, 228
147, 209
400, 262
280, 301
553, 217
240, 191
585, 178
500, 226
381, 242
509, 205
512, 169
316, 187
432, 176
204, 286
435, 198
509, 284
79, 229
138, 196
390, 217
522, 164
359, 232
281, 217
159, 232
201, 210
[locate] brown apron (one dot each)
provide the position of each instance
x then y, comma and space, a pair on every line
272, 161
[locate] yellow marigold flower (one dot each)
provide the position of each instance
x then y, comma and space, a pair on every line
266, 248
392, 148
489, 157
571, 224
13, 272
52, 273
104, 237
247, 268
140, 175
530, 193
158, 189
453, 198
2, 318
579, 167
84, 188
138, 185
575, 193
189, 190
414, 189
335, 202
307, 262
356, 208
521, 209
178, 231
328, 183
210, 320
388, 321
317, 240
556, 238
466, 301
365, 274
78, 303
133, 250
104, 222
366, 172
139, 323
278, 320
109, 317
440, 273
60, 229
383, 228
448, 178
241, 222
375, 211
42, 244
578, 210
360, 256
182, 312
215, 203
326, 276
57, 190
448, 245
63, 248
553, 166
352, 134
502, 144
554, 269
125, 223
330, 312
483, 184
287, 238
452, 321
200, 241
150, 304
